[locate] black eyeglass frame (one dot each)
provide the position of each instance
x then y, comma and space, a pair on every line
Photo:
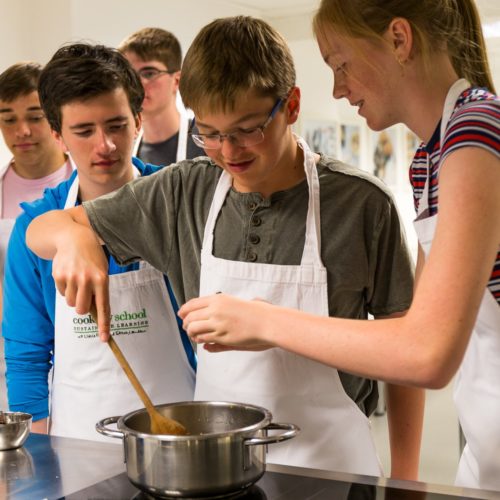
155, 71
198, 139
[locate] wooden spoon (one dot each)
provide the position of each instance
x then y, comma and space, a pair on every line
159, 423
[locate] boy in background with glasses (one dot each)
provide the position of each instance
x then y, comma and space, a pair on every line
262, 217
156, 56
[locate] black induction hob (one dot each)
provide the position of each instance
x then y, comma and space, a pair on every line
272, 486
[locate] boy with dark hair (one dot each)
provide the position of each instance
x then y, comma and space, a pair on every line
264, 217
37, 159
156, 56
92, 99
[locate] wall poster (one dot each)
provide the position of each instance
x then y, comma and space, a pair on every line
321, 136
350, 145
383, 156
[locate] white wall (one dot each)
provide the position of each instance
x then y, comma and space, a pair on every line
14, 44
33, 29
110, 21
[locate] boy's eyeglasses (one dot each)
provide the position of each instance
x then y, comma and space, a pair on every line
150, 74
242, 138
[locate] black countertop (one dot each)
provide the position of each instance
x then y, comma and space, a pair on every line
54, 468
279, 486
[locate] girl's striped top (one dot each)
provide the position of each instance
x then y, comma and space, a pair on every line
475, 121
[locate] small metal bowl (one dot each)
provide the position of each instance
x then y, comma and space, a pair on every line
15, 427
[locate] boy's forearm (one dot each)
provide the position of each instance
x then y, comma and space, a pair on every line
49, 232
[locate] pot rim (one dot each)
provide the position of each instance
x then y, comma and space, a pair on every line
250, 429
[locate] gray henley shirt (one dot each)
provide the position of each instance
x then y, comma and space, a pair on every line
161, 218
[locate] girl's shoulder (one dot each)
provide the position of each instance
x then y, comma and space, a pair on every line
475, 121
477, 101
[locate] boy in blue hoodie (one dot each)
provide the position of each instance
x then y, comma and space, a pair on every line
92, 99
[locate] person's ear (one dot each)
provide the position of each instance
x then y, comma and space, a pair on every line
399, 34
177, 78
137, 124
293, 105
59, 139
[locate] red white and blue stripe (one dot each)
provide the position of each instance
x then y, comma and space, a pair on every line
475, 122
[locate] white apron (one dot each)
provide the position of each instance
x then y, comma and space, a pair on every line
477, 384
181, 143
335, 435
88, 383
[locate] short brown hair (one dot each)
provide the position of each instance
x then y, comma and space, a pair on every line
154, 44
19, 80
233, 55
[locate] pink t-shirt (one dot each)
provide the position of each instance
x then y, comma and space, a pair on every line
17, 189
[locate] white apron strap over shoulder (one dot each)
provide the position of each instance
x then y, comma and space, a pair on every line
183, 137
181, 143
477, 391
335, 435
137, 142
88, 383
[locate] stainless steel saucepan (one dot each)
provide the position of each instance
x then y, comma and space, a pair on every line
223, 452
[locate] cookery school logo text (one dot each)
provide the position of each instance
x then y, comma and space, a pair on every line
123, 323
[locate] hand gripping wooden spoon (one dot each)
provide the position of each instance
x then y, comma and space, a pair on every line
159, 423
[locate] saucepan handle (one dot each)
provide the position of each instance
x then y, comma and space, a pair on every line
291, 430
101, 428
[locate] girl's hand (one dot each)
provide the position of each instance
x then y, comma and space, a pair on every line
224, 322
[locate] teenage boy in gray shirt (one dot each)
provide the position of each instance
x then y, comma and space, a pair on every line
263, 217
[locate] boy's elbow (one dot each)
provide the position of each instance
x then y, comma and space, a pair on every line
34, 228
29, 235
39, 235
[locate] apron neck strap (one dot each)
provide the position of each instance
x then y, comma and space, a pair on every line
449, 105
451, 100
312, 247
72, 197
181, 153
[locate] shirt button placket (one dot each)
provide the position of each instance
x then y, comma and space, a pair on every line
254, 239
256, 221
252, 256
